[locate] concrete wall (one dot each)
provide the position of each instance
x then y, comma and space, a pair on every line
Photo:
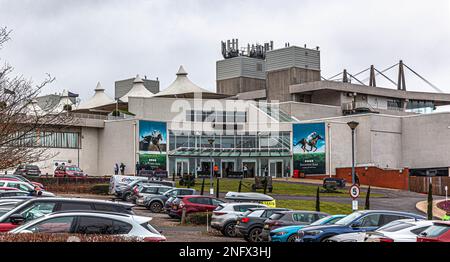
426, 140
117, 144
307, 111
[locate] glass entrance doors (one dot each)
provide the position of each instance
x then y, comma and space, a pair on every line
249, 168
227, 167
182, 167
276, 168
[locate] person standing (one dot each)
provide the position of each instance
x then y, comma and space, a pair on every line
122, 169
116, 169
245, 170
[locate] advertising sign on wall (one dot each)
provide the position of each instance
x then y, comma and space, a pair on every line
309, 148
153, 144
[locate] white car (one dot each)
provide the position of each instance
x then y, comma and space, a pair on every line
225, 215
403, 230
94, 222
24, 186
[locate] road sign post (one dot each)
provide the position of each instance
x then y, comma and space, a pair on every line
355, 205
354, 194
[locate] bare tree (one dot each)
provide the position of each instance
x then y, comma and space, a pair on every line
22, 121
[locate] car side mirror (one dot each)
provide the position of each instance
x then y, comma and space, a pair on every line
356, 224
423, 234
16, 219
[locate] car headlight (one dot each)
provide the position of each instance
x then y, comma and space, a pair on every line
314, 232
280, 233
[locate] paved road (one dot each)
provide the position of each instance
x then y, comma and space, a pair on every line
393, 199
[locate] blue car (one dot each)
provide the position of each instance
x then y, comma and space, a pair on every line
289, 233
359, 221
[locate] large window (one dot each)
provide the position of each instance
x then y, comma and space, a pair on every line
59, 139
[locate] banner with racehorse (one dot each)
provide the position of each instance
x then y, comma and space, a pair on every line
309, 148
153, 145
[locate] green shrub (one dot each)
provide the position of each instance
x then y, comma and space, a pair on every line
198, 218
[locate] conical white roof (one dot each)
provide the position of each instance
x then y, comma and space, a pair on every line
182, 86
100, 98
138, 90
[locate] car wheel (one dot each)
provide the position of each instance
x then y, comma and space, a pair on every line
229, 230
155, 207
126, 196
255, 235
291, 238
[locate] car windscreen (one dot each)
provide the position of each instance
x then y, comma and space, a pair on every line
73, 168
276, 216
32, 167
435, 230
348, 219
395, 226
256, 213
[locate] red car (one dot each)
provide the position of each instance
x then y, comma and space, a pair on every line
69, 171
194, 203
438, 232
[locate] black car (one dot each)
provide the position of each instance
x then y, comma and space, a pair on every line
251, 223
37, 207
27, 170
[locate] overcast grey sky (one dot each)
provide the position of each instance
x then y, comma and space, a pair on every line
82, 42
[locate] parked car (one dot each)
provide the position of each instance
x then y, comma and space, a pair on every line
225, 215
359, 221
194, 203
405, 230
21, 178
156, 203
124, 191
69, 171
24, 186
93, 222
13, 193
28, 170
438, 232
37, 207
288, 218
142, 191
251, 223
289, 233
251, 197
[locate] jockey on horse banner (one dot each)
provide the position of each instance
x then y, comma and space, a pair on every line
153, 144
309, 148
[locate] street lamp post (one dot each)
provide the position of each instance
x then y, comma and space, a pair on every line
211, 188
353, 125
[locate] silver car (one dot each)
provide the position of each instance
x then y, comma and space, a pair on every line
93, 222
144, 191
225, 215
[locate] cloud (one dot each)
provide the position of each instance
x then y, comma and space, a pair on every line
82, 42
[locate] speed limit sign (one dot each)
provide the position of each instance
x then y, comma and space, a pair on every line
354, 191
